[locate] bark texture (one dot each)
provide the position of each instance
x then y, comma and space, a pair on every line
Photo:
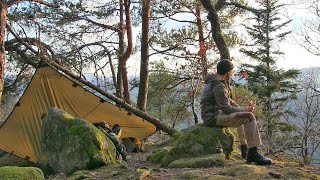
127, 54
144, 66
3, 22
215, 26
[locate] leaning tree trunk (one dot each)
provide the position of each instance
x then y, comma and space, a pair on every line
114, 79
119, 101
216, 29
127, 54
144, 65
3, 22
130, 108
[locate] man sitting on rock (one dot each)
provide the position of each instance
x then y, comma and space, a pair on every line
219, 110
114, 136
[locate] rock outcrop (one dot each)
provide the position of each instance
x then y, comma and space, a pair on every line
20, 173
196, 141
70, 144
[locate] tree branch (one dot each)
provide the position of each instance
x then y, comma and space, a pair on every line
216, 29
19, 74
13, 2
238, 5
132, 109
20, 40
163, 51
31, 41
219, 5
101, 25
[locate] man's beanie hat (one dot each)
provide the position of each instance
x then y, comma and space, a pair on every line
224, 66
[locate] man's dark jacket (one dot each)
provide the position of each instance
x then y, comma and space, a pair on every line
217, 96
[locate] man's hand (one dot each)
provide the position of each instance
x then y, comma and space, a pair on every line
251, 106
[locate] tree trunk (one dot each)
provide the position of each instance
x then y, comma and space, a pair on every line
216, 29
269, 80
3, 22
119, 91
203, 48
195, 116
193, 95
144, 65
127, 54
114, 79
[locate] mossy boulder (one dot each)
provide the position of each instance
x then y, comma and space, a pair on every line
195, 141
70, 144
246, 172
83, 174
199, 162
21, 173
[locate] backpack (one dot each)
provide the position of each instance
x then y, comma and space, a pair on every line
113, 135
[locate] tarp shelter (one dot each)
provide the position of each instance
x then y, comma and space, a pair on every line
21, 132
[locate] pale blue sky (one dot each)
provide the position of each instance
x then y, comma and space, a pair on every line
295, 55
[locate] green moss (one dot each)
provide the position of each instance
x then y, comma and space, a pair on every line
21, 173
191, 175
67, 117
83, 147
286, 163
87, 142
199, 162
91, 139
112, 171
246, 172
84, 174
197, 141
315, 176
103, 142
295, 173
158, 155
219, 177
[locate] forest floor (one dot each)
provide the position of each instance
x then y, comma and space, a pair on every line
139, 168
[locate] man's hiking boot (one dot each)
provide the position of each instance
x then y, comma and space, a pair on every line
244, 151
256, 157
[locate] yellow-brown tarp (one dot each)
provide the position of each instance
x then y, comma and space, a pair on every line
21, 132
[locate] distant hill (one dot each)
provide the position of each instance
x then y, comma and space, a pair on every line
313, 75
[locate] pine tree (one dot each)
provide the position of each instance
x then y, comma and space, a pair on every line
272, 85
168, 101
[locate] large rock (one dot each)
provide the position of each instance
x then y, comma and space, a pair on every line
196, 141
21, 173
70, 144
